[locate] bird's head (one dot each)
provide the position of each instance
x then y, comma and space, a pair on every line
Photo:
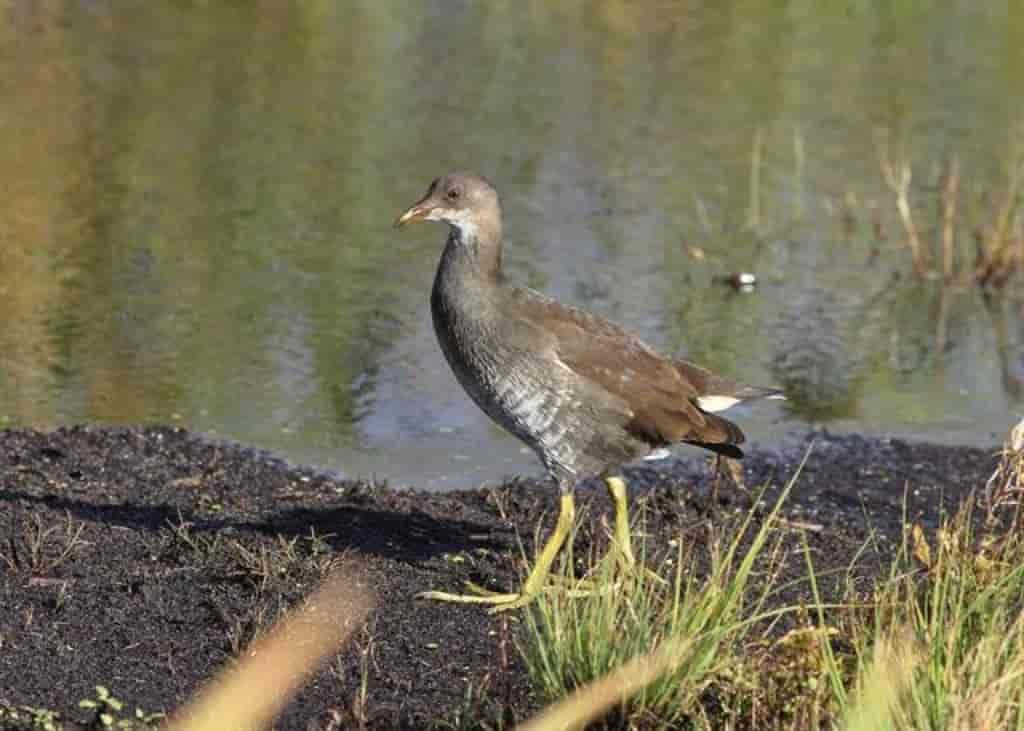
466, 202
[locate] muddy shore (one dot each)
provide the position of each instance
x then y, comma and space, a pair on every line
144, 559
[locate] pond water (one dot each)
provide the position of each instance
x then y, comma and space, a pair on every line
198, 197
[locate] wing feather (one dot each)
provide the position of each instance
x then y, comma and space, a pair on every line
656, 398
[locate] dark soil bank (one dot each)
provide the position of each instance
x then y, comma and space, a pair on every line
144, 559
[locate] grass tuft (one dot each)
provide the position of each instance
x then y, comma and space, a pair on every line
935, 643
945, 632
651, 652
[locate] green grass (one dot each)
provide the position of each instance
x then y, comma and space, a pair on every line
946, 630
694, 630
936, 642
105, 710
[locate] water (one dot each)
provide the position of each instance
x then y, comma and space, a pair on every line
198, 197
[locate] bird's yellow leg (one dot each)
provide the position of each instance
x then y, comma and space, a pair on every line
537, 578
623, 534
623, 537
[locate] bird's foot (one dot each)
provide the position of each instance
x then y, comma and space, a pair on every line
628, 574
621, 549
500, 602
505, 601
537, 580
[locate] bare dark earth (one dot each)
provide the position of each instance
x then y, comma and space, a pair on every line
145, 559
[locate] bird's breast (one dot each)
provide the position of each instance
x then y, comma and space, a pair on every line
518, 388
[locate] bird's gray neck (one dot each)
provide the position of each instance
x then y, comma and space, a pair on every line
473, 251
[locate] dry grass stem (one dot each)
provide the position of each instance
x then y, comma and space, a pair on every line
1006, 485
899, 176
949, 197
756, 154
597, 698
251, 694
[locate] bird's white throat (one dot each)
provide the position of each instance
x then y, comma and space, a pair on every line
465, 229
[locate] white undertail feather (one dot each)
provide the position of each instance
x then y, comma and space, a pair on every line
657, 454
714, 404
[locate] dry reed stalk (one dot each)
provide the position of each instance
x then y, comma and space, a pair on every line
899, 178
250, 695
754, 213
594, 700
949, 197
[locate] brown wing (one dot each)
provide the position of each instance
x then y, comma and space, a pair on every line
659, 401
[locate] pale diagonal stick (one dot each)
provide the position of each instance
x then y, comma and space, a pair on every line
250, 695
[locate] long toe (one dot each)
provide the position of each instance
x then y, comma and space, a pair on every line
489, 598
497, 602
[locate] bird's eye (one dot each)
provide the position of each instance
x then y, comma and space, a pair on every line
453, 194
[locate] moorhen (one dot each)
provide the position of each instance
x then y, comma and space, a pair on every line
583, 393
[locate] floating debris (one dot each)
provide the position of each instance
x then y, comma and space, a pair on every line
740, 281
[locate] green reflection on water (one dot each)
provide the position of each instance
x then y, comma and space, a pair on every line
198, 197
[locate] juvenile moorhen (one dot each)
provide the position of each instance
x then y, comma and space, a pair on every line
581, 392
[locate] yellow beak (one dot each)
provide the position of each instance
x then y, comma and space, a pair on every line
417, 213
